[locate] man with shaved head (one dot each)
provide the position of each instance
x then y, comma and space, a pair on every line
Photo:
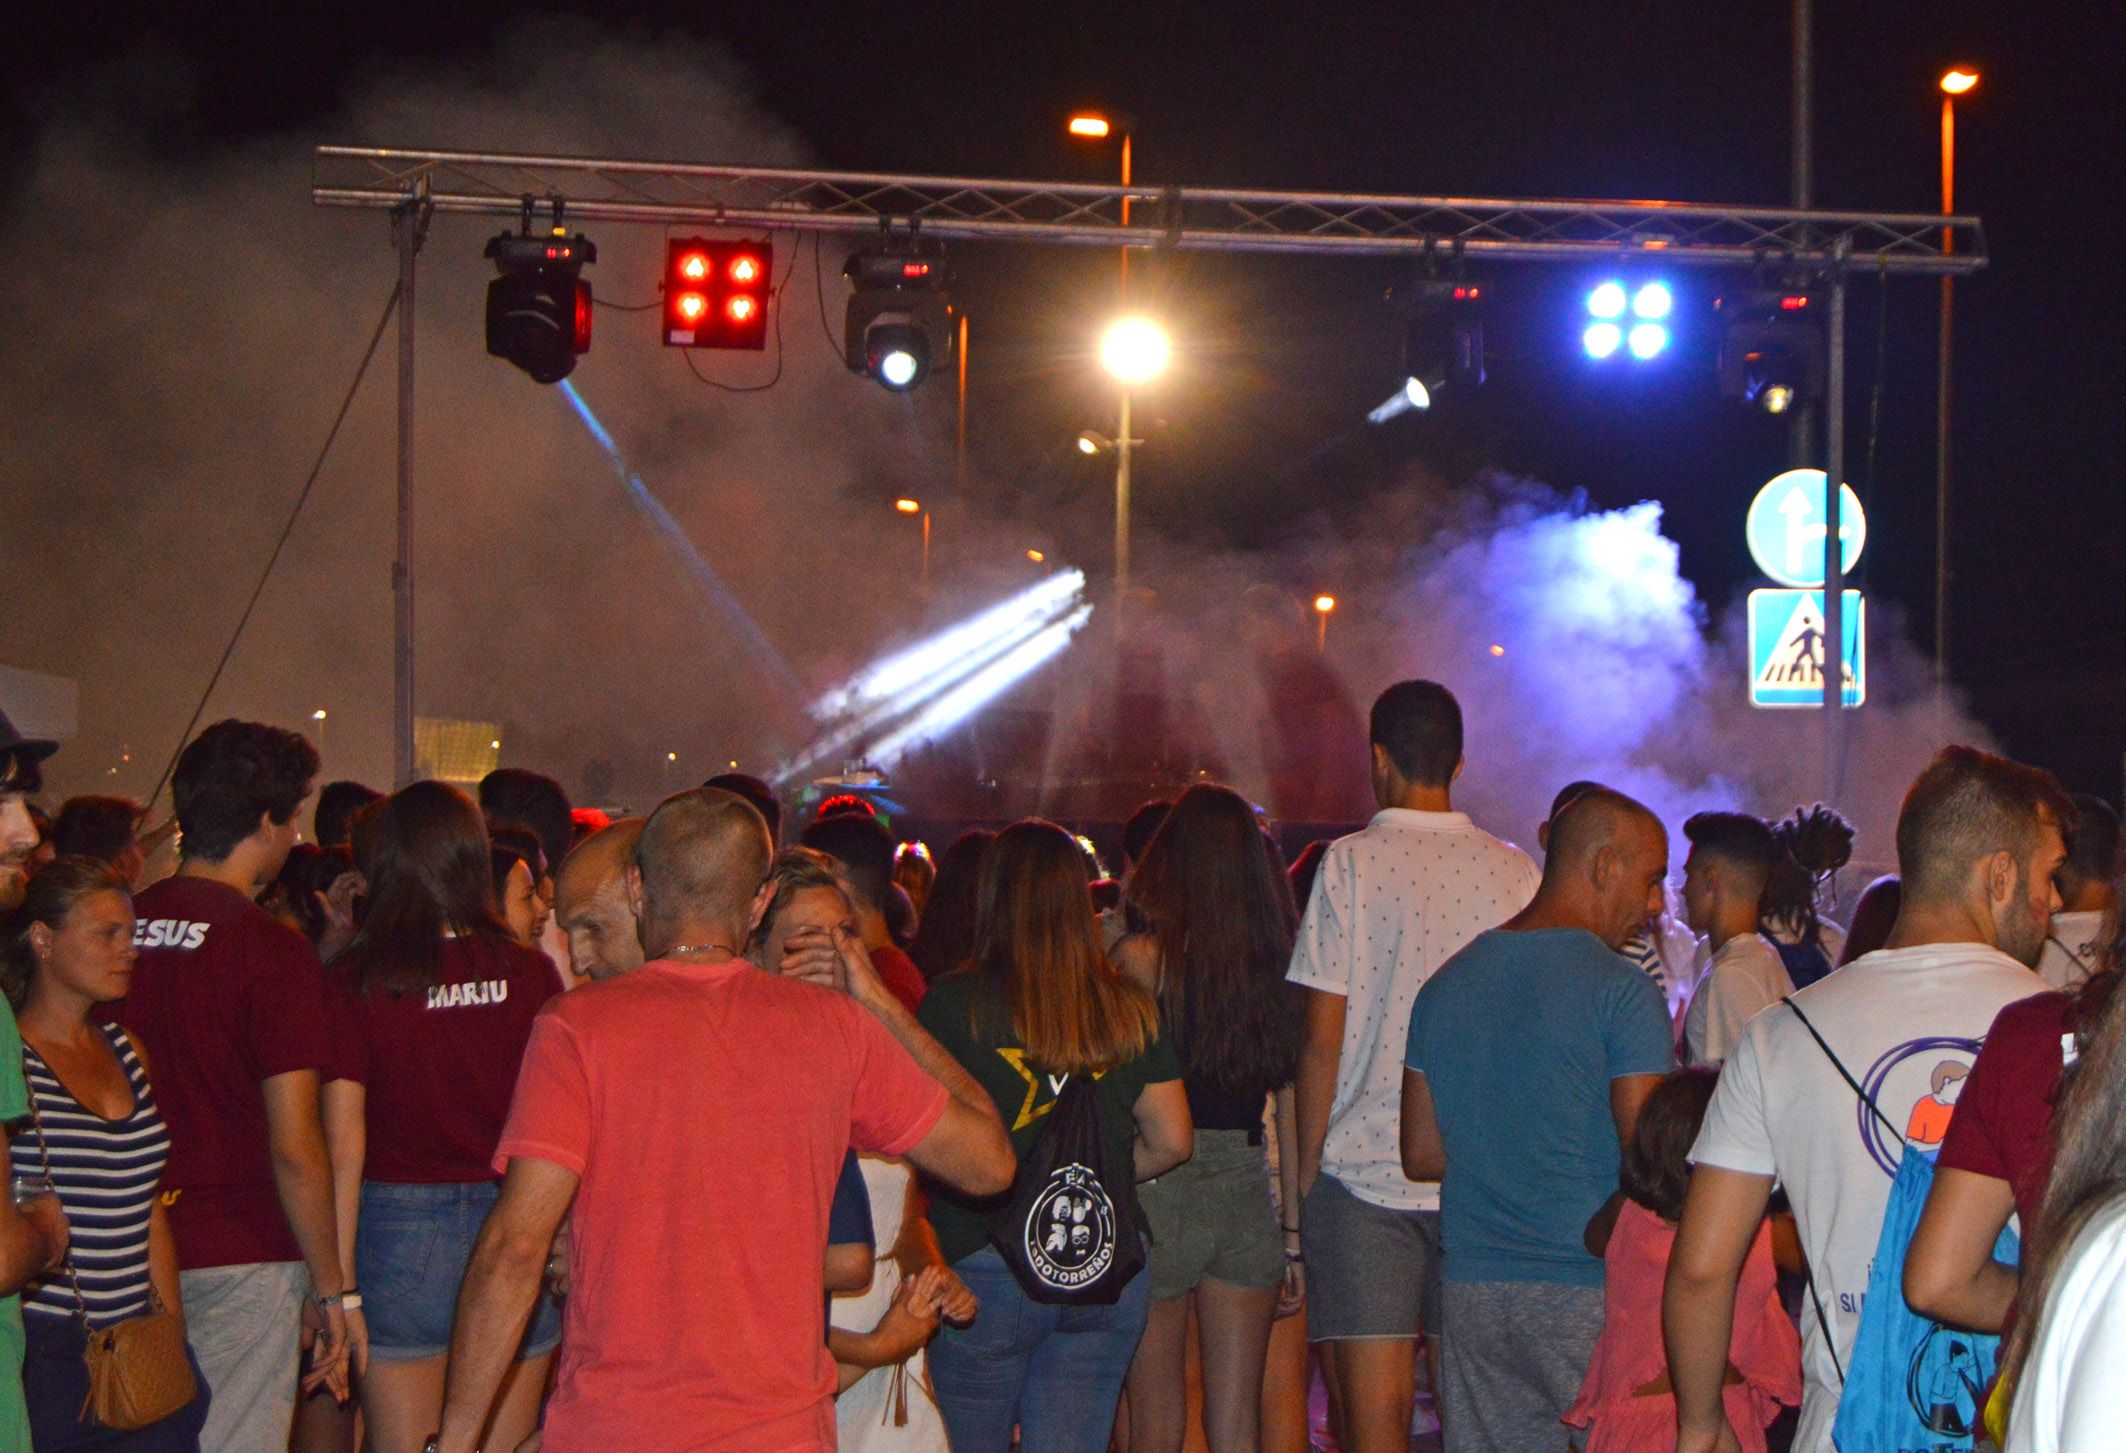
690, 1118
591, 903
1529, 1055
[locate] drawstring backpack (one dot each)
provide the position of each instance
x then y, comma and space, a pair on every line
1915, 1386
1069, 1229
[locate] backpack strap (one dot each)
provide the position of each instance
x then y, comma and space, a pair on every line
1844, 1073
1830, 1339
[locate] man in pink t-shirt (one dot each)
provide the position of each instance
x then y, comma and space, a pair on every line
690, 1119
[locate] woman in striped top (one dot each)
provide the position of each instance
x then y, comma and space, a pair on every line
96, 1132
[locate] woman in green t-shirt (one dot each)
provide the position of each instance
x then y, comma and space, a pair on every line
1038, 1003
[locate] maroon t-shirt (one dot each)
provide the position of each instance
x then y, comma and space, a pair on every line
898, 972
2003, 1122
224, 997
440, 1063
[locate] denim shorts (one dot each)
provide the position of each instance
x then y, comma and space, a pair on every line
411, 1248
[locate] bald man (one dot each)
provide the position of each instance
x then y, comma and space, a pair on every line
690, 1118
1530, 1053
590, 902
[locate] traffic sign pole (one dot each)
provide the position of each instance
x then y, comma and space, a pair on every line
1833, 544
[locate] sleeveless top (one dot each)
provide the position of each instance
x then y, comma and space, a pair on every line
108, 1173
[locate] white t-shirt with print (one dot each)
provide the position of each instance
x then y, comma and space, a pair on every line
1746, 976
1906, 1023
1391, 904
2072, 1395
2073, 950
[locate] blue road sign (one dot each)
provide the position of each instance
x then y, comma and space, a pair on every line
1786, 648
1786, 527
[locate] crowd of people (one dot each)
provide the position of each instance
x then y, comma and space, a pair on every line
491, 1122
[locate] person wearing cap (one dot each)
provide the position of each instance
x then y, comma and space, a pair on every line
32, 1239
20, 761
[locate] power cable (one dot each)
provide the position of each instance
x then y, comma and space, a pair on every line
391, 306
775, 297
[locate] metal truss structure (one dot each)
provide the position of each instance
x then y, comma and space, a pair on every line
1197, 218
414, 184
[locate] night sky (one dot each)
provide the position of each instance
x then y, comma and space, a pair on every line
1506, 99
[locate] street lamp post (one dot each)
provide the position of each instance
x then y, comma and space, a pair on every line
915, 507
1134, 350
1324, 606
318, 716
1954, 83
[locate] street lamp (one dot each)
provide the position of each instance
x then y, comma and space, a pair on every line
1134, 350
1324, 606
318, 716
1092, 126
908, 506
1955, 82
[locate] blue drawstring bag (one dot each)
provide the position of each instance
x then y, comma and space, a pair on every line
1914, 1385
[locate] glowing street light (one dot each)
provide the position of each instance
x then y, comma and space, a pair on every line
1324, 607
318, 716
1092, 127
1090, 443
1955, 81
915, 507
1037, 556
1135, 350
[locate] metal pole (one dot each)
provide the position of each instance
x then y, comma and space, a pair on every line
1942, 389
1122, 507
926, 550
1804, 180
1125, 220
960, 444
408, 221
1833, 543
1801, 431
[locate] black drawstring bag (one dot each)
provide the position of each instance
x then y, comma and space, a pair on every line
1069, 1229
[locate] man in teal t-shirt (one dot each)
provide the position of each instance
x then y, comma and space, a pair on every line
1529, 1055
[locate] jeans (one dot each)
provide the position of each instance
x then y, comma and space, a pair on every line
1055, 1371
411, 1247
55, 1382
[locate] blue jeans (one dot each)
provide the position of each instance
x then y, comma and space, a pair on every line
1054, 1371
411, 1247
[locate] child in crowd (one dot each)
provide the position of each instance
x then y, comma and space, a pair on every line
1626, 1404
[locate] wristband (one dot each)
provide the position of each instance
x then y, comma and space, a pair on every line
350, 1301
1295, 1257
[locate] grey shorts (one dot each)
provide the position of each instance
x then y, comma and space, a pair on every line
1512, 1362
1371, 1271
1211, 1218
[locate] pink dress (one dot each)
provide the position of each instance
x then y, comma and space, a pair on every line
1766, 1349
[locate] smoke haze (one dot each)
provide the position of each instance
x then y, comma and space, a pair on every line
182, 331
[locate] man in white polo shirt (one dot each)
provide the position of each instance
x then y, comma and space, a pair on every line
1391, 905
1978, 840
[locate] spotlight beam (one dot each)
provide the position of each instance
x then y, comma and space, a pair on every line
907, 668
708, 585
955, 706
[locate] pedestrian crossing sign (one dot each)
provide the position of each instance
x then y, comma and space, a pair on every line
1786, 648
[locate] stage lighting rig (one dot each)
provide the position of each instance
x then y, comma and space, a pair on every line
717, 293
899, 321
1443, 343
539, 308
1771, 348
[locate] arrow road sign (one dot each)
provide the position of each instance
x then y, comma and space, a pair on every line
1786, 527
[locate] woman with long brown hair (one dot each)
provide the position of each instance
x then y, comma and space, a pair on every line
1038, 1004
2065, 1353
1211, 909
437, 999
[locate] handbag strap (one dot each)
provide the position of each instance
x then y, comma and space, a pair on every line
44, 1155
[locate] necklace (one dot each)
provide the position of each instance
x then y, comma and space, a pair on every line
698, 948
